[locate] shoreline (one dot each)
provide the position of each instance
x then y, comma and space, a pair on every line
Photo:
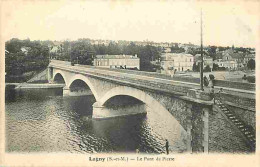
33, 86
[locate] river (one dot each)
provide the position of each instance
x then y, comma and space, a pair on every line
42, 120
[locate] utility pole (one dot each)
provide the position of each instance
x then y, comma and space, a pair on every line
201, 50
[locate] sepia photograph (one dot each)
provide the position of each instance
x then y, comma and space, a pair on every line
133, 82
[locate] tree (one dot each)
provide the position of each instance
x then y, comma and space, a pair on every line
212, 52
82, 51
251, 64
195, 67
25, 56
215, 67
176, 49
147, 54
113, 49
207, 68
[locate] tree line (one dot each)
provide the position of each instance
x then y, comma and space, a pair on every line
83, 52
25, 57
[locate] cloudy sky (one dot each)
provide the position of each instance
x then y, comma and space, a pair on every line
225, 23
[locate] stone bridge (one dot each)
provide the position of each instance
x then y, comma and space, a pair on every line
193, 109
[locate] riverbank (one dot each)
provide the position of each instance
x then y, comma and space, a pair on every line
33, 85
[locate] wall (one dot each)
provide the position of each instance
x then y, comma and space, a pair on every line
239, 101
192, 118
247, 116
235, 85
40, 77
223, 137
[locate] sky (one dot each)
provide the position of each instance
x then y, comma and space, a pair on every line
225, 23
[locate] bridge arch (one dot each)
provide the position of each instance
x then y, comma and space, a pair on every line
138, 94
58, 73
87, 81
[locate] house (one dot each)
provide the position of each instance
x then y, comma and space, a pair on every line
207, 61
230, 59
219, 59
172, 62
248, 57
54, 49
25, 50
117, 61
167, 49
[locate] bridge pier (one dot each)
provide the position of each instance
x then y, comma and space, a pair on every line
198, 108
197, 128
66, 91
50, 74
199, 132
102, 112
206, 129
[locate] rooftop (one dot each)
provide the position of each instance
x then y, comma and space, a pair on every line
116, 57
204, 56
176, 54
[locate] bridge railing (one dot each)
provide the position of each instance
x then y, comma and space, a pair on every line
235, 85
60, 62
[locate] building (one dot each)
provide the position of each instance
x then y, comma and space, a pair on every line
117, 61
230, 60
219, 59
25, 50
54, 49
172, 62
207, 61
248, 57
167, 49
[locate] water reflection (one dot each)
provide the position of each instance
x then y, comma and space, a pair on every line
41, 120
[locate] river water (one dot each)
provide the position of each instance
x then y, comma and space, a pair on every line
42, 120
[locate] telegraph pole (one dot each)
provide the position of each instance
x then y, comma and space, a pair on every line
201, 50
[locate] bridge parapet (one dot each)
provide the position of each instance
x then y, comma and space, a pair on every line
238, 101
53, 62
